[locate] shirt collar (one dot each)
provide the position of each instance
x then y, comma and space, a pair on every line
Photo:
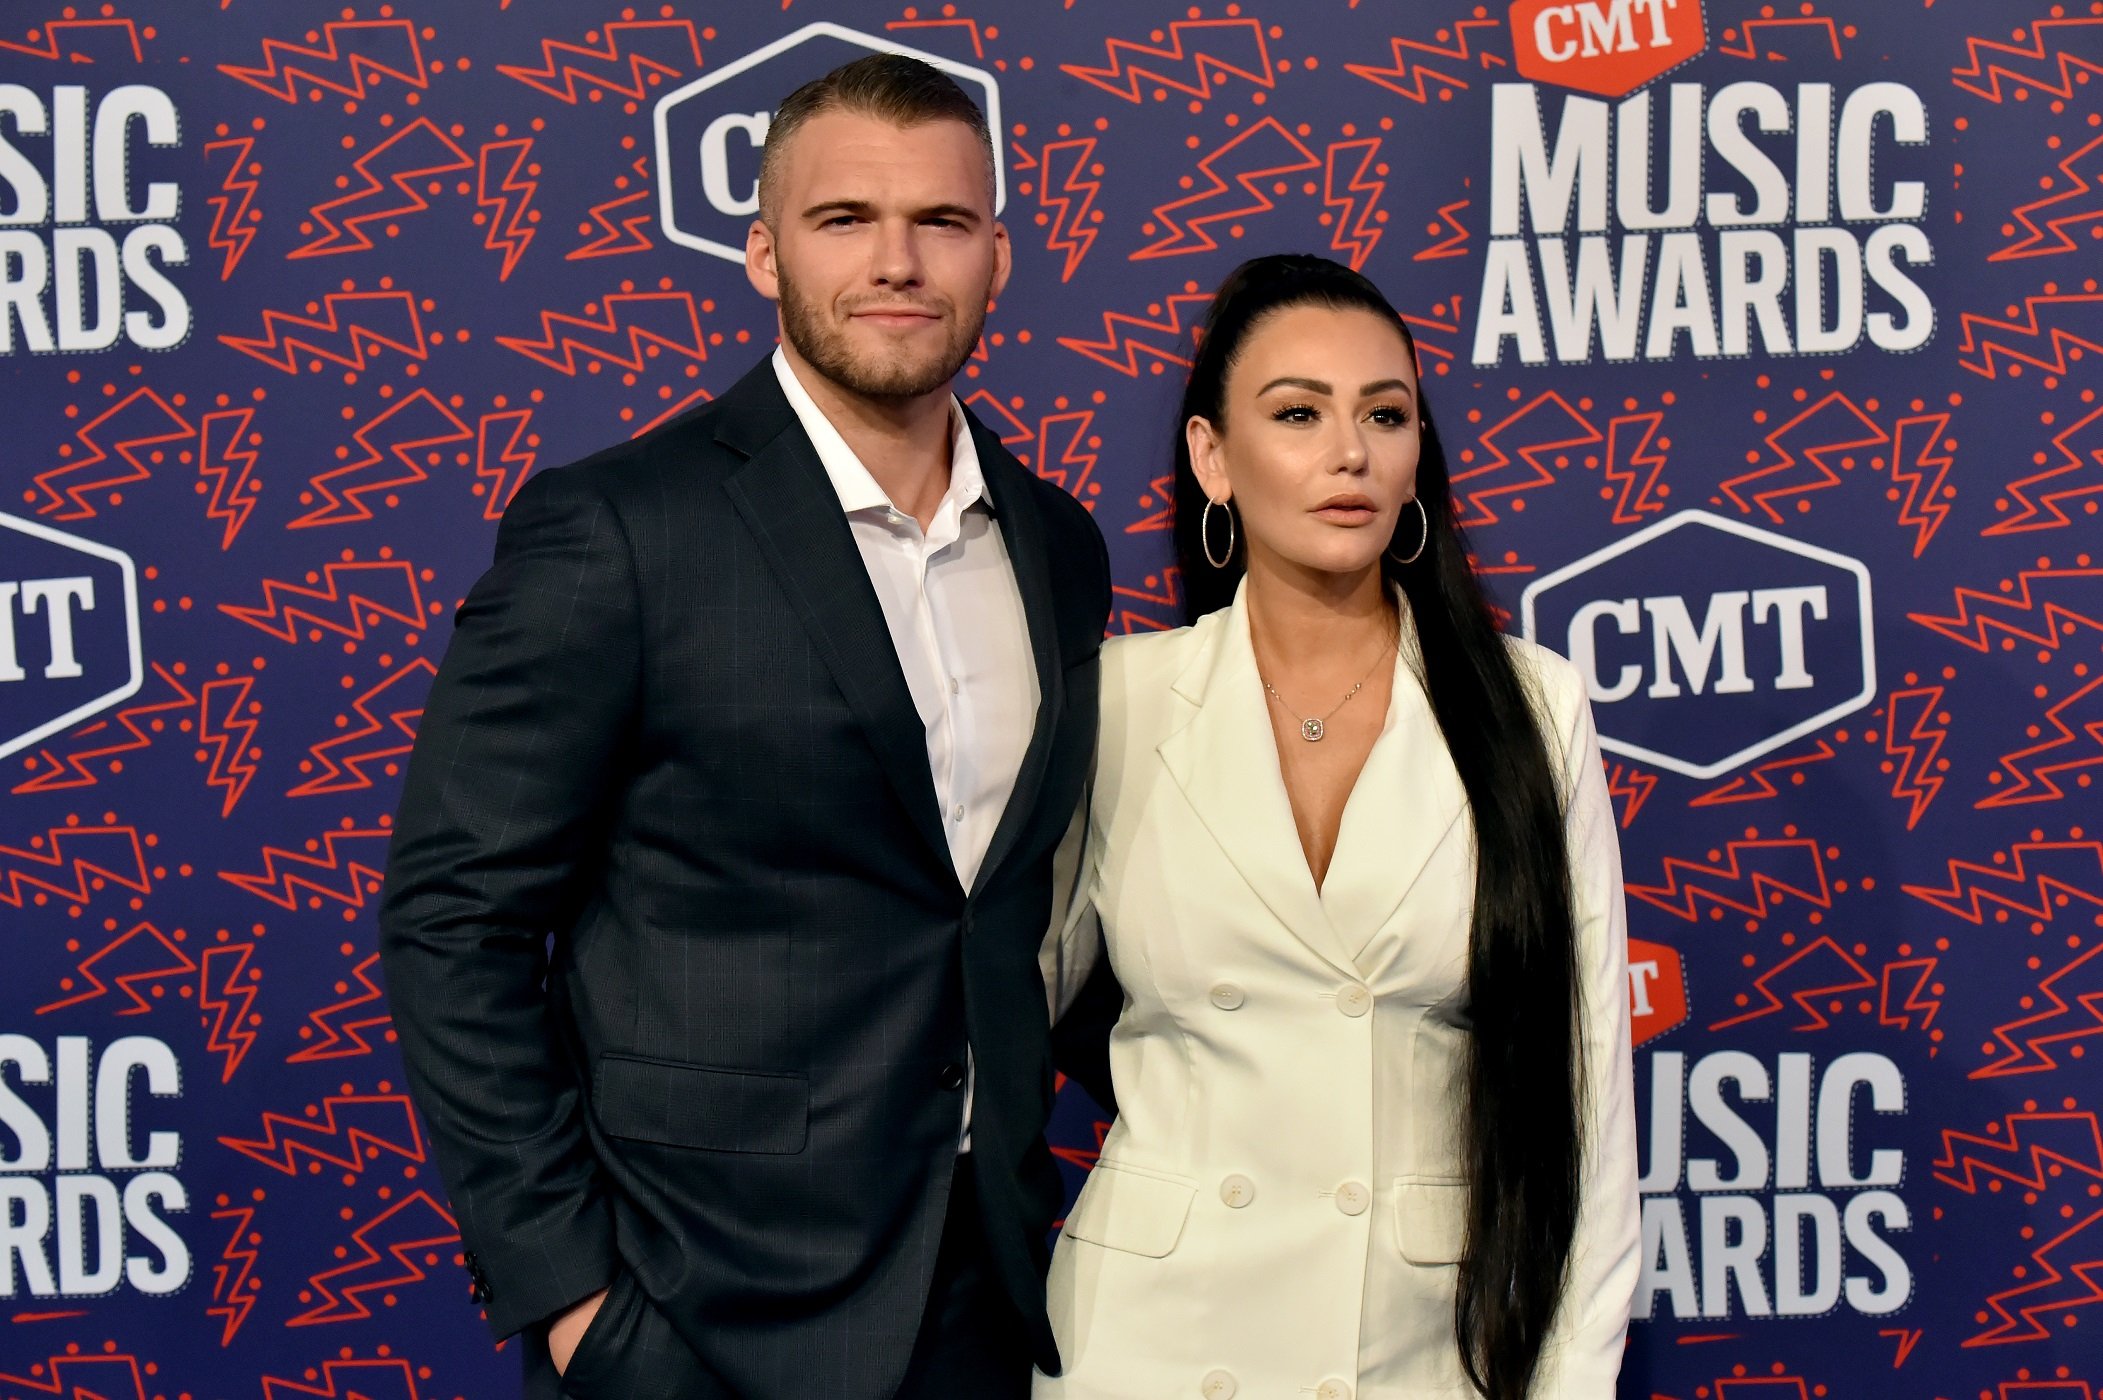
851, 482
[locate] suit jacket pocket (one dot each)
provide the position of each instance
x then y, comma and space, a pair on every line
718, 1110
1431, 1219
1135, 1209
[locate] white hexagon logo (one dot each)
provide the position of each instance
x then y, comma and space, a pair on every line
69, 631
710, 131
1706, 643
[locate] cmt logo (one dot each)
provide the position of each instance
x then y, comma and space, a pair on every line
1611, 47
69, 631
1657, 989
709, 133
1706, 643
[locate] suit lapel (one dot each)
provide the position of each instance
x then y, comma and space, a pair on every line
1029, 555
789, 504
1225, 761
1407, 799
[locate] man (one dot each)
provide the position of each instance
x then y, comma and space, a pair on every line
772, 720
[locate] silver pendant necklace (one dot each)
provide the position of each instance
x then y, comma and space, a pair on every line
1313, 728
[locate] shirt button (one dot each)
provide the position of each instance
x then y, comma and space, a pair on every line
1353, 1198
1333, 1389
1237, 1191
1354, 1000
958, 814
953, 686
950, 1076
1227, 997
1218, 1385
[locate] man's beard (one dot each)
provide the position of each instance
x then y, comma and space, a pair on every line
823, 344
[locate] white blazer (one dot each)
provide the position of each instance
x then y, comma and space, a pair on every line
1277, 1212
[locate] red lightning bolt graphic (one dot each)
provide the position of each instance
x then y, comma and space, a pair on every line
969, 26
2028, 1041
356, 591
1451, 244
1623, 461
1068, 205
71, 38
152, 956
226, 456
2080, 474
415, 423
233, 224
1771, 869
1360, 191
1987, 340
503, 457
114, 853
1265, 151
1921, 464
2008, 612
1759, 783
351, 56
1836, 426
1546, 424
1163, 597
2080, 193
350, 325
632, 235
72, 771
1632, 786
226, 729
1073, 466
345, 758
379, 1378
2036, 869
81, 1377
2070, 41
412, 1226
1120, 348
1823, 967
1802, 26
136, 425
1913, 735
1457, 49
416, 153
286, 873
2038, 1141
669, 320
2057, 1288
507, 235
233, 1291
341, 1133
1198, 53
597, 63
343, 1031
1921, 970
2073, 748
226, 987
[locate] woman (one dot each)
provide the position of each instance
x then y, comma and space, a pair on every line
1352, 859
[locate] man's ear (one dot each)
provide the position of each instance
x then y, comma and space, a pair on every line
761, 269
1003, 261
1207, 462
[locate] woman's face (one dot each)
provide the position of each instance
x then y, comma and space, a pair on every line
1319, 447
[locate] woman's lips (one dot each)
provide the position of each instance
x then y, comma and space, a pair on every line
1347, 510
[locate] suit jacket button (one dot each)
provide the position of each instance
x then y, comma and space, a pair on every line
1227, 997
1353, 1198
1333, 1389
1354, 1000
950, 1076
1237, 1191
1218, 1385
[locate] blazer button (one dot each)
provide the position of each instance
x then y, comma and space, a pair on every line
1218, 1385
1352, 1198
1354, 1000
1237, 1191
1227, 997
1333, 1389
950, 1076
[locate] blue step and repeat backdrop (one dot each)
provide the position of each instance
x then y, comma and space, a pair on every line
1765, 338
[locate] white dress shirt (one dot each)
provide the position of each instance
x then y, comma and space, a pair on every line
954, 611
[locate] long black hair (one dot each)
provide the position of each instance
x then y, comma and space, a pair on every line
1520, 1125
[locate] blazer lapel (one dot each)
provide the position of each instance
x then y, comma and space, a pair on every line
1022, 531
1407, 799
1225, 761
794, 514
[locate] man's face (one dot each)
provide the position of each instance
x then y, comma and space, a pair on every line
882, 251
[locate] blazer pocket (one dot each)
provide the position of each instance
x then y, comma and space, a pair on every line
718, 1110
1132, 1209
1431, 1219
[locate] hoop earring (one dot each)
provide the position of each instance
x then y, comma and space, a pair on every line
1424, 516
1205, 534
